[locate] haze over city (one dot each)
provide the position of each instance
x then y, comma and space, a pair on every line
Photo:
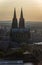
32, 9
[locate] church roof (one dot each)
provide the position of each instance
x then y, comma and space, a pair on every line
20, 30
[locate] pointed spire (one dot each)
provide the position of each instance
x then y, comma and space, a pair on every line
14, 21
14, 13
21, 16
21, 20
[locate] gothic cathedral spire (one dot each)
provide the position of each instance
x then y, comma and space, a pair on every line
14, 22
14, 13
21, 13
21, 21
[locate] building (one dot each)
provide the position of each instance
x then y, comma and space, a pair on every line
19, 33
14, 21
21, 21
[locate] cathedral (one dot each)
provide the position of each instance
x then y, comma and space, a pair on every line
19, 33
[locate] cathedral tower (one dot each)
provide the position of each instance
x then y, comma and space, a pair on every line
14, 22
21, 20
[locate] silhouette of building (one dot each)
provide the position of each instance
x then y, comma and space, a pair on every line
21, 20
19, 34
14, 22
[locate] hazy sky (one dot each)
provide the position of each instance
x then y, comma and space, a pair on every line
32, 9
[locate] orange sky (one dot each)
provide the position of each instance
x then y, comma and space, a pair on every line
32, 9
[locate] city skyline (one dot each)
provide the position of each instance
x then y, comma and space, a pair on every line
32, 9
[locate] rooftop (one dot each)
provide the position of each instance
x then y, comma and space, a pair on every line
20, 30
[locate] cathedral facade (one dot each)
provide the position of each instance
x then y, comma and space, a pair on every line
19, 33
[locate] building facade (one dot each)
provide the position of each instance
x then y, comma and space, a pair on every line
19, 33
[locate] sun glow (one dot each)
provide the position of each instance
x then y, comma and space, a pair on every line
32, 9
40, 1
1, 1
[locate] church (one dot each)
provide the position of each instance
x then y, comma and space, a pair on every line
19, 33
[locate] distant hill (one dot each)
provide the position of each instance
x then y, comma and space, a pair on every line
6, 23
33, 25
